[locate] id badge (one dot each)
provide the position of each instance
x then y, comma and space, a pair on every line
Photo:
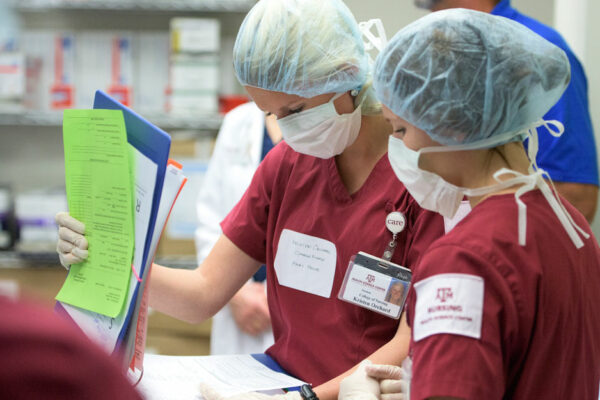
376, 284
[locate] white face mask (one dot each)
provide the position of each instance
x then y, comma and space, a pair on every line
428, 189
320, 131
435, 194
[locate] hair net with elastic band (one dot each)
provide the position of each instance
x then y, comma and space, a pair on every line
463, 76
302, 47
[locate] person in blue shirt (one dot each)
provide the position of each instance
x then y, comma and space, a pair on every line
570, 159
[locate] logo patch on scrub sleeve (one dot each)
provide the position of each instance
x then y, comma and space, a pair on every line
448, 303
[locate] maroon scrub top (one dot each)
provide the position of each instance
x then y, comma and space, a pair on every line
318, 338
540, 320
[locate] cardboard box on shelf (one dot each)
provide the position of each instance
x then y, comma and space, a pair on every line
193, 102
167, 335
38, 284
168, 246
197, 72
12, 80
195, 35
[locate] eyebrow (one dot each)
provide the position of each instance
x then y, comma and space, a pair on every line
292, 106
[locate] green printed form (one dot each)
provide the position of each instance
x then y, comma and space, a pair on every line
99, 193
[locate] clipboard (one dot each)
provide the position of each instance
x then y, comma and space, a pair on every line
155, 144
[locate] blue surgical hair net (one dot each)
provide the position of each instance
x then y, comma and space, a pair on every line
464, 76
302, 47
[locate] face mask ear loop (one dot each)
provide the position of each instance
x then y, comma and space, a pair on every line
530, 133
336, 96
478, 145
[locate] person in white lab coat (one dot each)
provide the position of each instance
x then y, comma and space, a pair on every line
243, 326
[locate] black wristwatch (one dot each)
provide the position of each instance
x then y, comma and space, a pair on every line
307, 393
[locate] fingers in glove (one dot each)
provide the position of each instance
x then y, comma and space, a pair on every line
208, 393
77, 239
64, 262
64, 219
390, 386
68, 259
82, 254
384, 371
358, 385
394, 396
64, 247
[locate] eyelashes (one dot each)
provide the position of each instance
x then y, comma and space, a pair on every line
294, 111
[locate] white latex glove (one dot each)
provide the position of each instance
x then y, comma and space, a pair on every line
358, 385
394, 382
208, 393
72, 245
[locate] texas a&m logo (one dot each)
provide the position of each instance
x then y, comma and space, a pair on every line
443, 294
370, 278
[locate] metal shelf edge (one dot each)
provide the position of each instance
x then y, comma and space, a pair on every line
94, 5
49, 119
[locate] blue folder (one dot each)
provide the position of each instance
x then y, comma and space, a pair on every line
155, 144
268, 362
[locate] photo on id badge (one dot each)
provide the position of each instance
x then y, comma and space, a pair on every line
395, 292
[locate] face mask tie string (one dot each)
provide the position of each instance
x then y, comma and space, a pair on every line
373, 41
530, 182
533, 141
536, 178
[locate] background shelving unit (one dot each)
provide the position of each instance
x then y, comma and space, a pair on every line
53, 119
31, 149
27, 133
137, 16
31, 153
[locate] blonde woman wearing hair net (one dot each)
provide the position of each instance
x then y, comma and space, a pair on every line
570, 159
322, 194
505, 305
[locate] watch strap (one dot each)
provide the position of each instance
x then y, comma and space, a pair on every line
307, 393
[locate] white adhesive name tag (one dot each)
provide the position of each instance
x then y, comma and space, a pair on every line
376, 284
305, 263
